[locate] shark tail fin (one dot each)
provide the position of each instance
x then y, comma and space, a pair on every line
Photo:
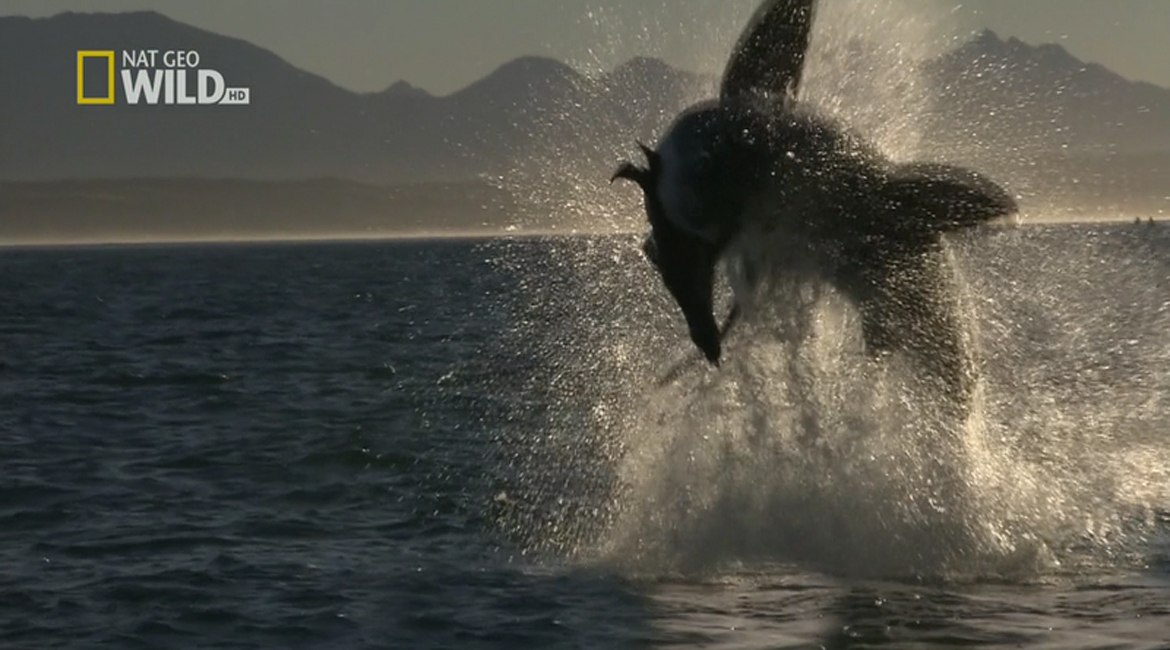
936, 198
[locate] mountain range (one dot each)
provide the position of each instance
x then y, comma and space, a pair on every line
990, 93
535, 126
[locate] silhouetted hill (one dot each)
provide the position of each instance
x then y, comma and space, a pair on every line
1034, 116
992, 94
402, 88
299, 124
1008, 95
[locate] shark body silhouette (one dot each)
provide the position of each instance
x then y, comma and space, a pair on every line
754, 163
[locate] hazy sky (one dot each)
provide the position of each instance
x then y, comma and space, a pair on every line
443, 45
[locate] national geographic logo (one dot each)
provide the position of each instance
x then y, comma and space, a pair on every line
152, 77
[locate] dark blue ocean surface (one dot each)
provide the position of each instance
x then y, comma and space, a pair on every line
482, 444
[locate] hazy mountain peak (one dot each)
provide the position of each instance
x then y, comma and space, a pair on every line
984, 44
534, 68
301, 125
1054, 53
647, 66
651, 75
402, 88
522, 76
987, 37
143, 19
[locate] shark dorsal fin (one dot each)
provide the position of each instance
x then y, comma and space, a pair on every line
768, 60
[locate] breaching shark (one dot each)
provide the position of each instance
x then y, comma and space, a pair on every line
756, 166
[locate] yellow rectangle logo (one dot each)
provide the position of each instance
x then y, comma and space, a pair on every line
82, 55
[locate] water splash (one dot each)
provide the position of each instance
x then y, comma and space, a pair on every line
800, 449
866, 68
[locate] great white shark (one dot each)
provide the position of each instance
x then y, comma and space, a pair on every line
755, 165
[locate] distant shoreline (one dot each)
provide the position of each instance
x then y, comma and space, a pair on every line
470, 235
201, 211
307, 239
128, 211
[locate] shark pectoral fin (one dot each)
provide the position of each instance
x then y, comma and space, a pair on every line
936, 198
769, 57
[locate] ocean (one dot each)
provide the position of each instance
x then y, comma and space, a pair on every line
509, 443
